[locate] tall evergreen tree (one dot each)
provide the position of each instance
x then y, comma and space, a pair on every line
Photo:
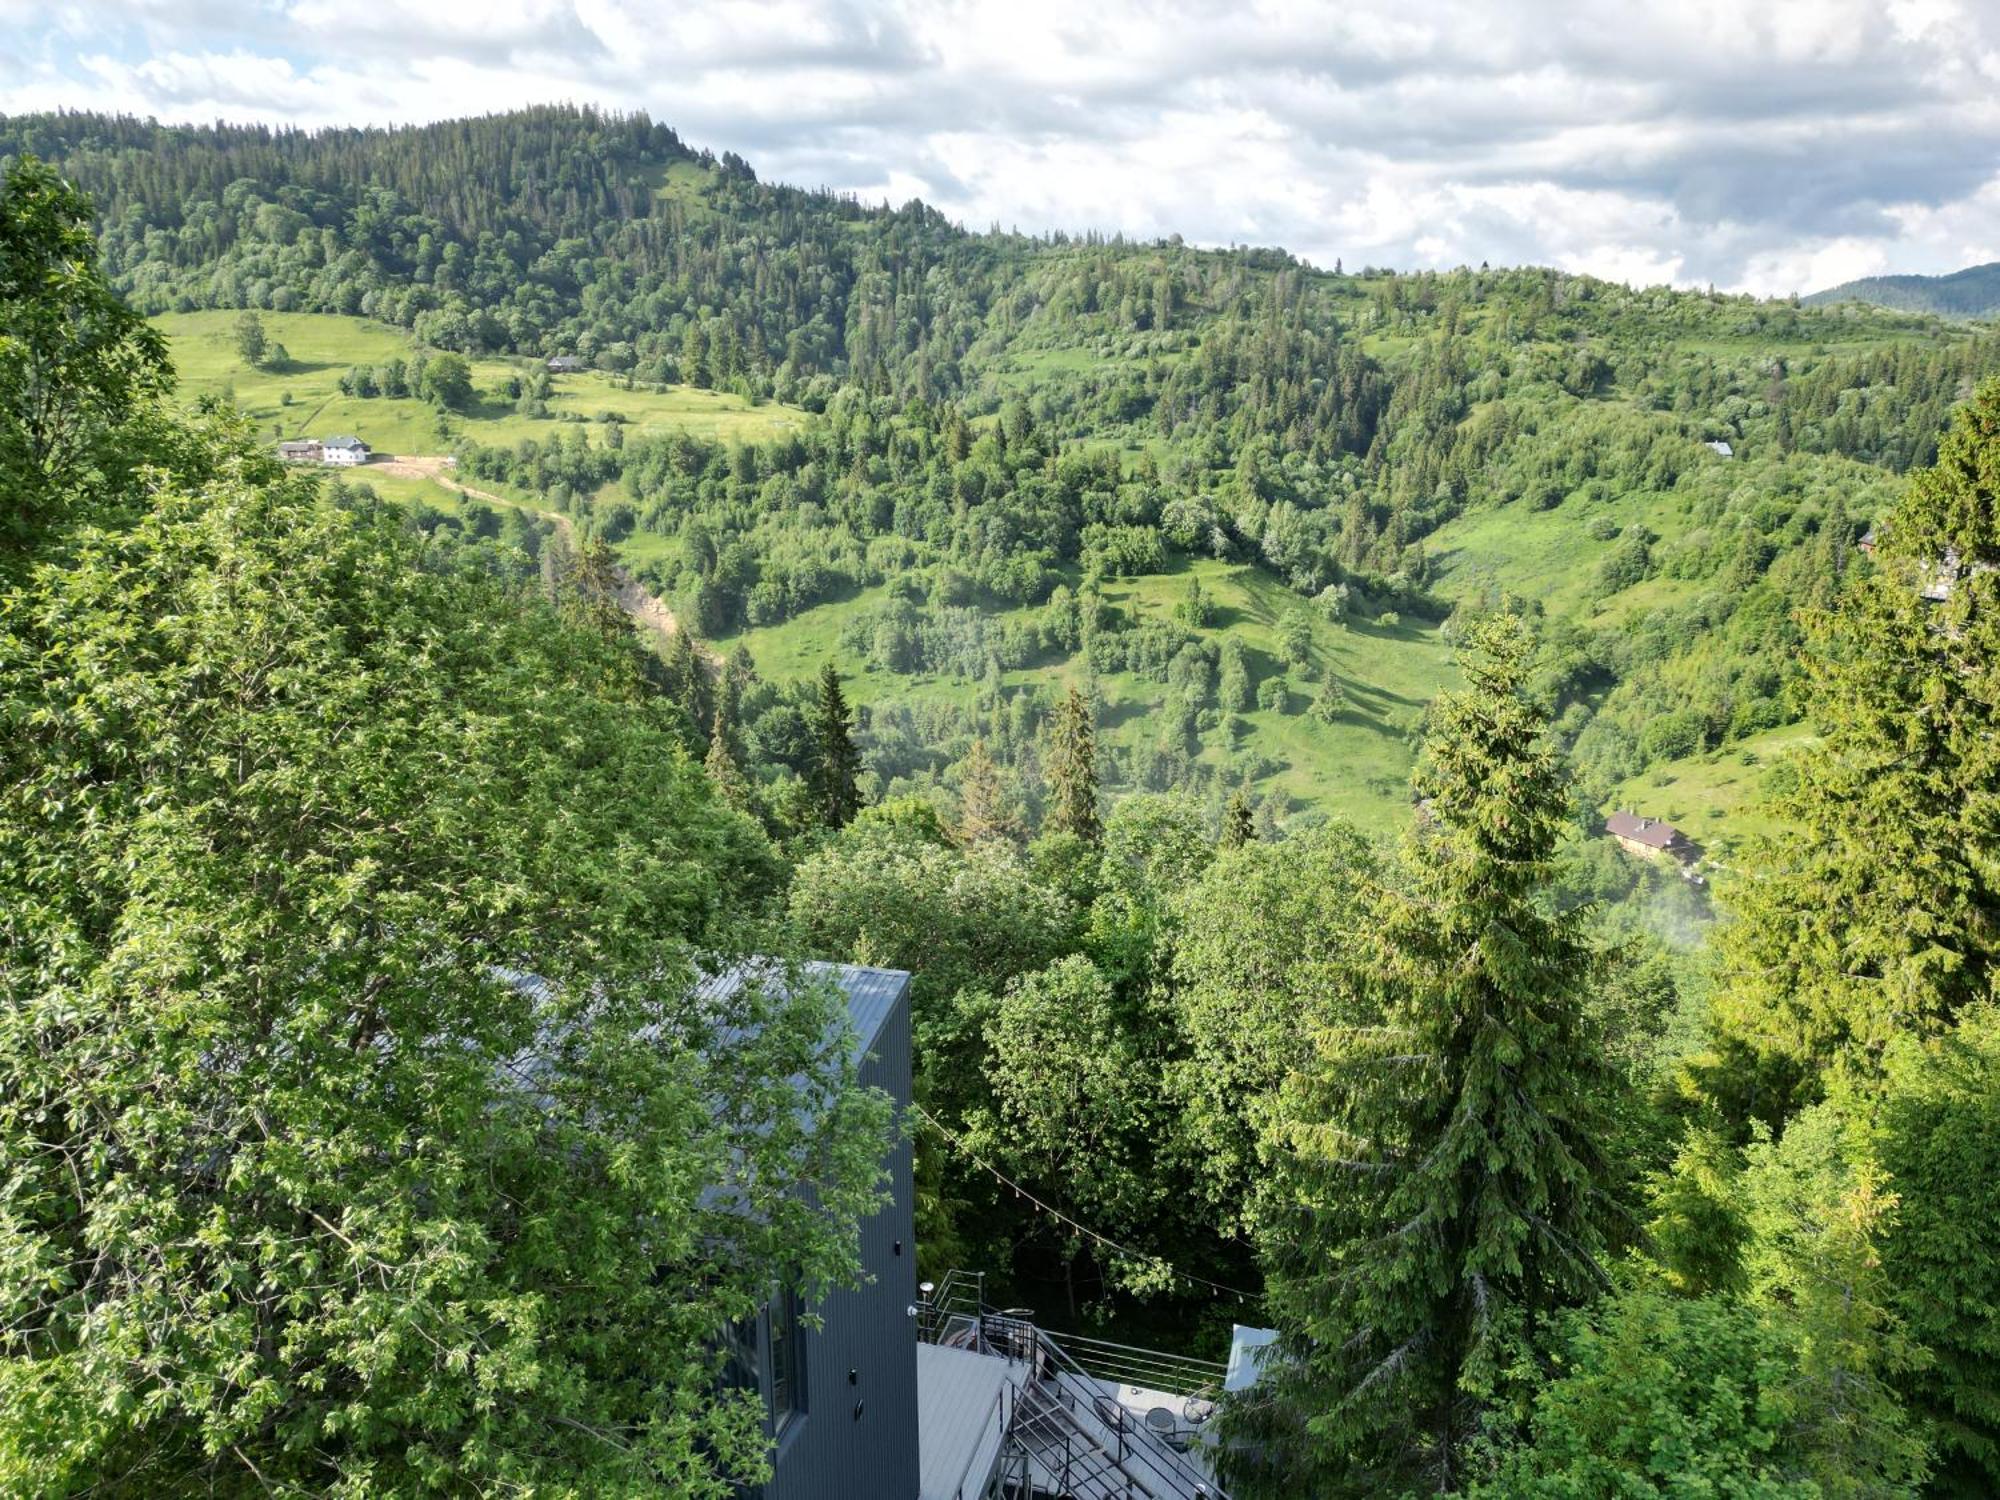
686, 682
836, 762
1877, 912
1072, 770
1439, 1188
1239, 825
983, 814
724, 763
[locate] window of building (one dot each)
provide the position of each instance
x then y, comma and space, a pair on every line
788, 1365
741, 1365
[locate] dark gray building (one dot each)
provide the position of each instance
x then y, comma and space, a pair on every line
842, 1398
909, 1393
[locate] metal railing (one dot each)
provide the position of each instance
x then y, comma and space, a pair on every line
1072, 1372
1149, 1369
1138, 1450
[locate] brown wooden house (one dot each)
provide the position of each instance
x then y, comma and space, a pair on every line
1649, 838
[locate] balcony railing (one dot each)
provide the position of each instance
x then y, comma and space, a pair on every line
1066, 1415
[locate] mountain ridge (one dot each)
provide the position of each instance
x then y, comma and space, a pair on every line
1238, 495
1971, 293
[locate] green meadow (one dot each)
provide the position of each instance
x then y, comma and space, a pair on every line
303, 399
1355, 768
1719, 798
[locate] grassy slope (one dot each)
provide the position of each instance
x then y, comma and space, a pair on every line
1547, 555
1717, 798
322, 346
1357, 767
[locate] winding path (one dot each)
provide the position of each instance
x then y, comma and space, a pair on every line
645, 607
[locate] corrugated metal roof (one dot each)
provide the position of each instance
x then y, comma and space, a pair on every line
871, 993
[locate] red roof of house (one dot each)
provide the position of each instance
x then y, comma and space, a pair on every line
1650, 831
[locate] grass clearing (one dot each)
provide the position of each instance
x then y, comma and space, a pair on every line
1356, 768
304, 398
1719, 798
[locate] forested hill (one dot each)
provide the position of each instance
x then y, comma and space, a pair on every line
1235, 497
1971, 293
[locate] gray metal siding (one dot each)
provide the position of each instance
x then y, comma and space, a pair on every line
832, 1453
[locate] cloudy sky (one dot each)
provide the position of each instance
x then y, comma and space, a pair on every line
1761, 145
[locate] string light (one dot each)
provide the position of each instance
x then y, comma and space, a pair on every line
959, 1145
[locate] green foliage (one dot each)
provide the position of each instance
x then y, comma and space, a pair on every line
1269, 944
1072, 771
447, 382
77, 370
985, 811
1937, 1136
1239, 826
1440, 1190
251, 343
307, 1193
896, 891
1295, 637
1658, 1395
835, 760
1819, 1210
1072, 1109
1871, 915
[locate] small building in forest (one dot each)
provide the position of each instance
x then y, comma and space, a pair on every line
564, 364
1649, 838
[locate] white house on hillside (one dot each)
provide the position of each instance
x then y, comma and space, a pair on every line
343, 451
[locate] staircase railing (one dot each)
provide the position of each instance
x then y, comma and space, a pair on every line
1134, 1446
1075, 1370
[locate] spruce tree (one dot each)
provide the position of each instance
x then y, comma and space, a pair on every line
1439, 1190
1875, 912
687, 683
1239, 826
836, 761
1332, 701
1072, 770
983, 815
725, 758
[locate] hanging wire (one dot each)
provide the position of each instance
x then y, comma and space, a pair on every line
959, 1145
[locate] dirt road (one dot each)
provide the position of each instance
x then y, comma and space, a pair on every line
652, 616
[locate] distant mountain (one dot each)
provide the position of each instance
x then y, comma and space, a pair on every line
1971, 293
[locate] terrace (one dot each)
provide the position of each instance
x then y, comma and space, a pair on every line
1007, 1409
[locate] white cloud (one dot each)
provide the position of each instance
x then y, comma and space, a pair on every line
1766, 147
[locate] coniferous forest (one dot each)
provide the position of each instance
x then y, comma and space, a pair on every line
1557, 1173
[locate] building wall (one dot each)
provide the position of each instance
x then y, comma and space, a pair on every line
858, 1437
1633, 846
